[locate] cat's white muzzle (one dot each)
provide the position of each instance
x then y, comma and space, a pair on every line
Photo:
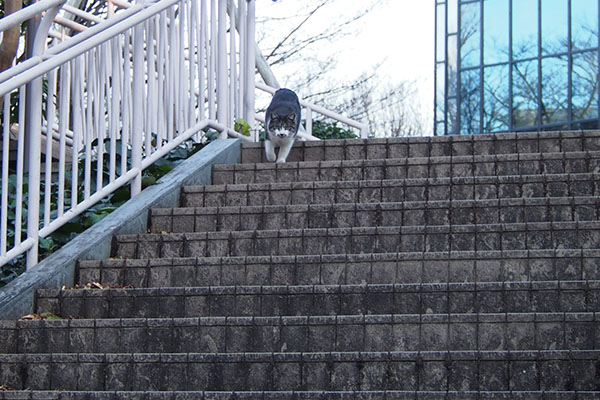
281, 133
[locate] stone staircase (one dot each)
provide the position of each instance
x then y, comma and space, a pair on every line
426, 268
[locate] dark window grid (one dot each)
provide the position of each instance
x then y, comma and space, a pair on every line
569, 54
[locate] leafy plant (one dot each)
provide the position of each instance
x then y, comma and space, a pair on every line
242, 126
330, 130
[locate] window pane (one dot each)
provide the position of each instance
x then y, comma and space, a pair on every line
525, 94
495, 31
452, 117
585, 85
452, 65
525, 29
495, 99
554, 89
440, 100
584, 24
440, 128
470, 35
554, 26
470, 102
441, 33
452, 16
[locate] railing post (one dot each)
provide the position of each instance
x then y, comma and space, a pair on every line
249, 90
137, 106
34, 137
222, 92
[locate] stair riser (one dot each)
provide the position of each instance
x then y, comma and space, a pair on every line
440, 189
291, 334
361, 240
521, 143
345, 300
534, 164
344, 270
356, 215
325, 371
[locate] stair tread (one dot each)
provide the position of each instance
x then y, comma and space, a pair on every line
484, 165
569, 354
316, 289
373, 239
435, 212
480, 317
303, 395
525, 142
332, 333
352, 257
384, 190
462, 227
489, 297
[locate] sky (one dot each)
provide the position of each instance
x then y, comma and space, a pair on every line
399, 34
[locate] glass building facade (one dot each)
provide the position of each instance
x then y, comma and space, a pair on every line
516, 65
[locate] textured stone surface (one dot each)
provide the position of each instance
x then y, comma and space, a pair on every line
378, 333
425, 268
373, 239
393, 190
492, 297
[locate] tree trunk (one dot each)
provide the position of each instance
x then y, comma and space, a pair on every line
10, 38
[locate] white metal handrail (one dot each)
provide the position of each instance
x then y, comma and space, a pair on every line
123, 93
114, 98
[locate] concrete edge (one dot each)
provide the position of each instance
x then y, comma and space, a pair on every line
17, 298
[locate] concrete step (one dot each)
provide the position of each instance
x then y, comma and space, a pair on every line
302, 395
457, 370
344, 215
414, 332
217, 301
522, 143
348, 269
392, 190
387, 239
400, 168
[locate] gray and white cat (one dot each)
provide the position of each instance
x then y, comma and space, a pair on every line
282, 121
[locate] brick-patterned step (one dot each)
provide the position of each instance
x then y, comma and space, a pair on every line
400, 168
522, 143
416, 332
347, 269
212, 301
302, 395
429, 370
442, 238
392, 190
344, 215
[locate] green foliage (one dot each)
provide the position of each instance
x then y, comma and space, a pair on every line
242, 126
67, 232
330, 130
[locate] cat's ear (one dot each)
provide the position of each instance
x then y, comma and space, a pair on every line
292, 117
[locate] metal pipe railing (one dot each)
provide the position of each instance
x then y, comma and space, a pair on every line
122, 94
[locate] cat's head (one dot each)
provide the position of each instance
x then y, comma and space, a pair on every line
282, 126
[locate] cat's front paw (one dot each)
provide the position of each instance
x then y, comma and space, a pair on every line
270, 151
